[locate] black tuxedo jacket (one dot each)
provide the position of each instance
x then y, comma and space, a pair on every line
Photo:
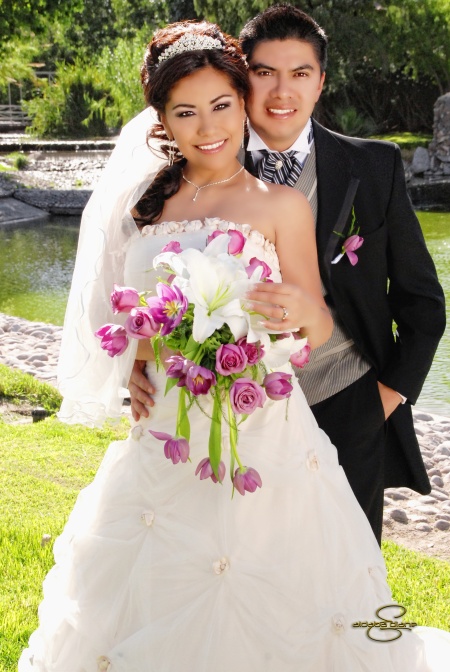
394, 280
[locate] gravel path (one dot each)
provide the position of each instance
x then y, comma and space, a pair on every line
418, 522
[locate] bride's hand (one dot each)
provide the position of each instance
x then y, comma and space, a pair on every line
288, 307
140, 389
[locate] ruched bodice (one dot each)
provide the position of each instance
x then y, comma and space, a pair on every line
144, 246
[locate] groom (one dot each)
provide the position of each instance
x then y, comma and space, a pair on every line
360, 385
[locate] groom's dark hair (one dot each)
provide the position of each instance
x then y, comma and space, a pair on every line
284, 22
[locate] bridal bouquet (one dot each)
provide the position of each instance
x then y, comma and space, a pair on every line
220, 348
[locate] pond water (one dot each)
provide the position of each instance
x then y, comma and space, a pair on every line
36, 265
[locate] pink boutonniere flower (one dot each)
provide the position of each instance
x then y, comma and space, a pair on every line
351, 243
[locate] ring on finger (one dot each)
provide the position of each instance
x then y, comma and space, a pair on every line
285, 314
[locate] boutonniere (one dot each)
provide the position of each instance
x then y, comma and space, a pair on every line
351, 243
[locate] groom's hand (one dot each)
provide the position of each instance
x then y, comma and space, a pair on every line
140, 390
389, 398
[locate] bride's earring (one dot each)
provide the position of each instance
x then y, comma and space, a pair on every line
171, 151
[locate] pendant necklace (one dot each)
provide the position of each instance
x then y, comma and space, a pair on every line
210, 184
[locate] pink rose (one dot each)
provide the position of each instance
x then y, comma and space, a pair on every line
254, 351
230, 359
140, 323
114, 339
246, 395
123, 299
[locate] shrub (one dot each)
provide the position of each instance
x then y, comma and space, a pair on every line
18, 159
74, 105
350, 122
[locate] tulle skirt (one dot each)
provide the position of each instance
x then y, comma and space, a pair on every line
157, 571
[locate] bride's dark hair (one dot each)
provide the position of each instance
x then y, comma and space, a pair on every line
158, 79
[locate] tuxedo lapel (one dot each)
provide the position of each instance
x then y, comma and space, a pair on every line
336, 188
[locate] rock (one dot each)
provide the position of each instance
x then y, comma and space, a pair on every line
444, 448
55, 201
423, 527
440, 496
442, 525
418, 519
396, 496
399, 515
423, 416
427, 510
421, 161
444, 516
428, 499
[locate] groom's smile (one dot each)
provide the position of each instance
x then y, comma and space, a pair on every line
286, 82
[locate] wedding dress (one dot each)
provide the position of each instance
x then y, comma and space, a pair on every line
157, 571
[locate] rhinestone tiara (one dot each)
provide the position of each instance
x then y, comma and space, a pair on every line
189, 43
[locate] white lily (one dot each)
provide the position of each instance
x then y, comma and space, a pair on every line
215, 283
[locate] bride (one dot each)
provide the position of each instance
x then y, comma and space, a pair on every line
155, 570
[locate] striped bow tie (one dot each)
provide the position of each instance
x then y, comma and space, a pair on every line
280, 167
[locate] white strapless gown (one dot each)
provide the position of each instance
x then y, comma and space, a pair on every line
157, 571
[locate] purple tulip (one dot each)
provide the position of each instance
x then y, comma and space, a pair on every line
175, 449
350, 245
246, 395
254, 264
173, 246
230, 359
254, 351
178, 368
278, 385
199, 379
140, 323
301, 357
114, 339
206, 471
246, 478
237, 240
169, 308
123, 299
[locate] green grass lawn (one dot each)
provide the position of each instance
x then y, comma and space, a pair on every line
44, 465
406, 140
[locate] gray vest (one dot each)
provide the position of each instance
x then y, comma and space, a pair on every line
337, 363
